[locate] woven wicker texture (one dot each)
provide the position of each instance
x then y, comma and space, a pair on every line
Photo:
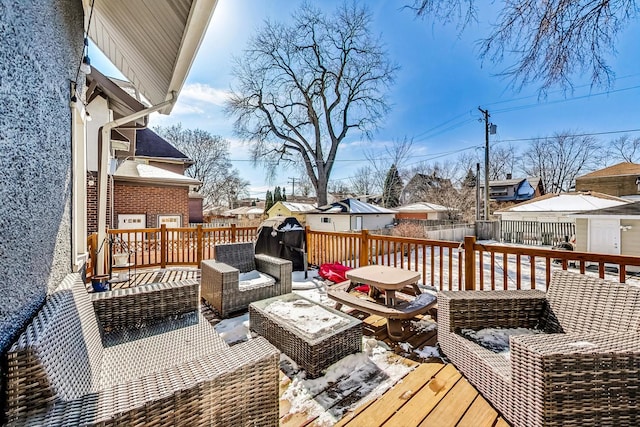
584, 371
176, 372
312, 355
220, 280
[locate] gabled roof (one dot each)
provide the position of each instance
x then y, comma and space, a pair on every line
422, 207
505, 182
133, 171
567, 202
627, 210
353, 206
150, 144
153, 43
624, 168
296, 207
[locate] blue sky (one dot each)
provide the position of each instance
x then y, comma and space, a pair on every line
434, 100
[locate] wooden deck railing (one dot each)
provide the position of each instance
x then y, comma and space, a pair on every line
442, 264
162, 247
454, 266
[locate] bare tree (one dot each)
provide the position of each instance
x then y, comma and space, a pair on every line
626, 149
501, 161
441, 183
210, 153
302, 87
559, 159
550, 40
364, 181
395, 153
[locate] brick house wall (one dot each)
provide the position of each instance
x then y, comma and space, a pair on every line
151, 200
624, 185
92, 202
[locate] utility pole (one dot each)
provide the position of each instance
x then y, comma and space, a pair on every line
477, 191
293, 186
486, 162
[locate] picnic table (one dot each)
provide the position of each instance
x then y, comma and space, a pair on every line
389, 280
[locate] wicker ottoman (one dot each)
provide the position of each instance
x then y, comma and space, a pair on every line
314, 336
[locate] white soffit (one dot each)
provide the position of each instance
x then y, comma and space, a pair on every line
152, 42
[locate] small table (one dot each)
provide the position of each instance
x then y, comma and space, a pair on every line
313, 335
388, 279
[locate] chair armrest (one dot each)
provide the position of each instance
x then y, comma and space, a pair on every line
140, 305
276, 267
578, 347
586, 377
490, 309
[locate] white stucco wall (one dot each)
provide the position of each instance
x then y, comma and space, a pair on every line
40, 45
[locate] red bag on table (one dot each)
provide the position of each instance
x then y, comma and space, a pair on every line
336, 272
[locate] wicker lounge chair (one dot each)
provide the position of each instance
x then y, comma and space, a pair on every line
79, 362
221, 282
584, 370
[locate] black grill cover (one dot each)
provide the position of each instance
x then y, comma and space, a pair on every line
282, 237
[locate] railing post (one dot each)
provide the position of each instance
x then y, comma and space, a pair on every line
233, 233
199, 245
364, 248
163, 245
307, 246
469, 263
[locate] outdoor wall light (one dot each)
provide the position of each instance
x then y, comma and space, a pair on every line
85, 67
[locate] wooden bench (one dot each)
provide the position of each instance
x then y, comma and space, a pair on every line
394, 314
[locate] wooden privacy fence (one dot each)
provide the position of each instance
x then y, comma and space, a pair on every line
468, 265
536, 233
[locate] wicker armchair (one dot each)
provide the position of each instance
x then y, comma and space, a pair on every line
79, 362
584, 370
221, 282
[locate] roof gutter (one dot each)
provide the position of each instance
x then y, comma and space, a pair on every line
104, 146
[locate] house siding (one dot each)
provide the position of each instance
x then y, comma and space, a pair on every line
613, 185
582, 234
630, 239
39, 53
151, 201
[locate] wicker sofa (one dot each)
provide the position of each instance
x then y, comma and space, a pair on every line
221, 281
583, 370
140, 356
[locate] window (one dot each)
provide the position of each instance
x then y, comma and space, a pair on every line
326, 220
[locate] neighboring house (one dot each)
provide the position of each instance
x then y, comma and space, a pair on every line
147, 196
44, 181
622, 180
510, 190
420, 185
142, 196
558, 207
350, 215
423, 210
246, 212
614, 230
290, 209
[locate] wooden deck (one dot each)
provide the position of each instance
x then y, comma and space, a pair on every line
431, 394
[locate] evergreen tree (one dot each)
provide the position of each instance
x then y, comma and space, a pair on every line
470, 179
284, 194
277, 195
392, 188
268, 204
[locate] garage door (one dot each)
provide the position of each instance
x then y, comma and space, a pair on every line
604, 236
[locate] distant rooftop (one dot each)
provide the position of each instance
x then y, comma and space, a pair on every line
353, 206
567, 202
624, 168
150, 144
